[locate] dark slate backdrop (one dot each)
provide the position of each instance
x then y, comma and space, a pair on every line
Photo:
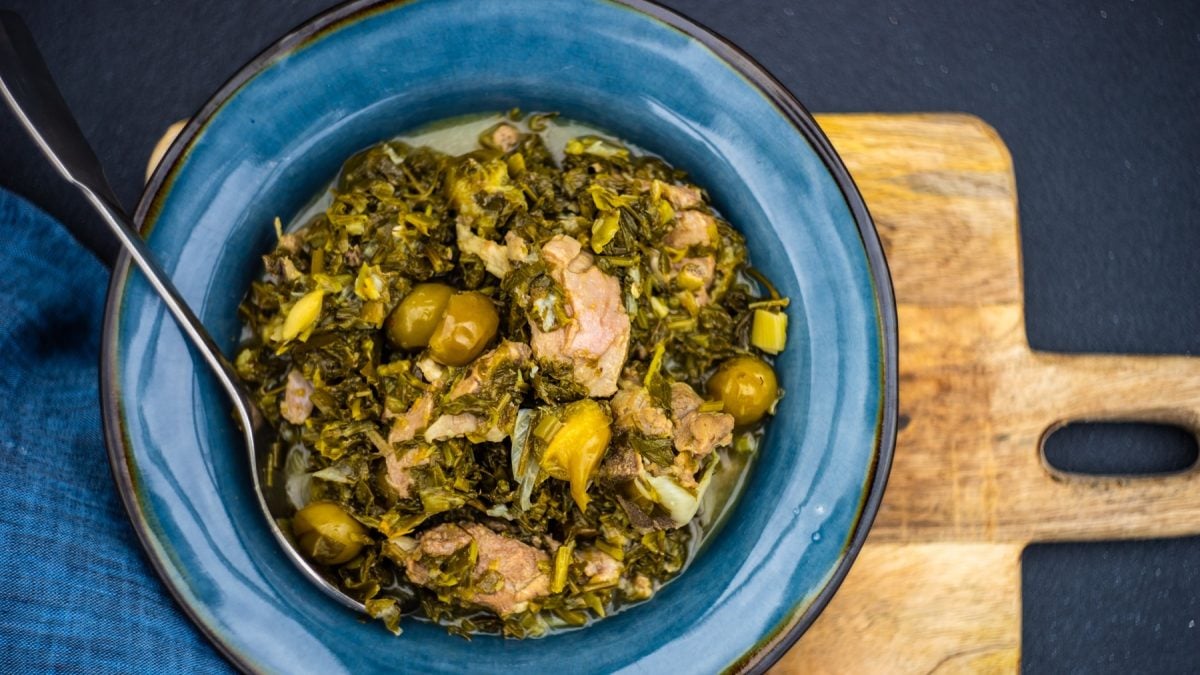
1098, 102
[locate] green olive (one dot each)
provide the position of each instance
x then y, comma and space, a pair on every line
410, 325
747, 388
327, 534
467, 326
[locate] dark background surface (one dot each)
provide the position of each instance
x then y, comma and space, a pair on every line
1099, 103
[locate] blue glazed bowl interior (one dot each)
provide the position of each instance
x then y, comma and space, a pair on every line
282, 133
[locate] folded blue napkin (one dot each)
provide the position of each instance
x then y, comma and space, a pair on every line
76, 592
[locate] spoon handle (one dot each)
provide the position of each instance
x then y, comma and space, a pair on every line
28, 88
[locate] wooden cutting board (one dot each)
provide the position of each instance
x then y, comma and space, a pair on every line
937, 586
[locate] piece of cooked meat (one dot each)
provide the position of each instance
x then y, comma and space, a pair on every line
399, 465
493, 254
431, 370
443, 541
514, 572
684, 469
404, 429
684, 400
522, 568
482, 370
505, 137
297, 404
638, 589
464, 424
634, 411
600, 568
498, 259
700, 272
700, 433
682, 196
450, 426
407, 426
692, 228
620, 466
289, 241
417, 420
596, 340
518, 248
697, 433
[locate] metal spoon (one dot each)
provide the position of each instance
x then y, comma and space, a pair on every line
29, 89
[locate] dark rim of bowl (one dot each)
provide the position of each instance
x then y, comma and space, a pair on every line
781, 637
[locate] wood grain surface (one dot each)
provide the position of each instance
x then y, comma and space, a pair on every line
937, 586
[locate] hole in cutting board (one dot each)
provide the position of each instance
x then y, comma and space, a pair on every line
1120, 448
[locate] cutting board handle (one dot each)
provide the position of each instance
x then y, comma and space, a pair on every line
1117, 388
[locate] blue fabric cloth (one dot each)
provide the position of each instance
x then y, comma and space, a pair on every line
77, 593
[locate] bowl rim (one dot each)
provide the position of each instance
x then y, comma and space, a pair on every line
780, 638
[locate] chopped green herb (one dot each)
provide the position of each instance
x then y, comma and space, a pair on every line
484, 369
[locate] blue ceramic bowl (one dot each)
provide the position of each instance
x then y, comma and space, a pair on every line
364, 72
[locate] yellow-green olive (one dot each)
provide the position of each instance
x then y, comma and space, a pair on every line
746, 386
467, 326
327, 534
410, 325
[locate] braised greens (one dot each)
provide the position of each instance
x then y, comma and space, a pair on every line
488, 371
